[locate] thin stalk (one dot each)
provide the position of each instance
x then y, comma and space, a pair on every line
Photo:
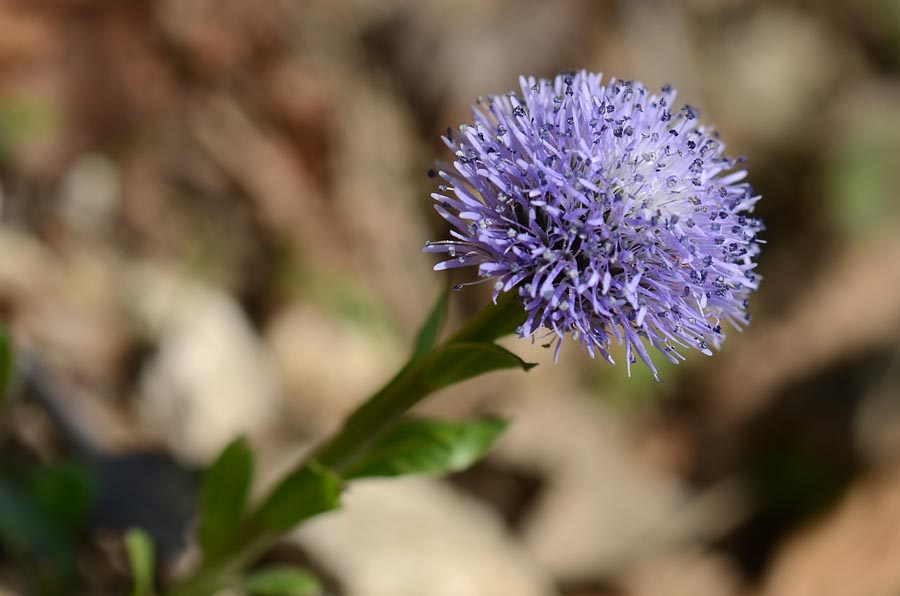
410, 386
223, 573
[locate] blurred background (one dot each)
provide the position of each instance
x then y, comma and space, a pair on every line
212, 220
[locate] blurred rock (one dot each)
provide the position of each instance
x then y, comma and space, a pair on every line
682, 574
211, 377
418, 537
853, 551
65, 304
328, 364
604, 506
90, 195
29, 273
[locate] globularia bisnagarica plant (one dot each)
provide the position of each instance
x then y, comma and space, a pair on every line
598, 211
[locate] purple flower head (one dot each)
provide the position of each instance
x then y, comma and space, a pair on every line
611, 213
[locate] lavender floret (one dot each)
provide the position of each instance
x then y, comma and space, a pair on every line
612, 216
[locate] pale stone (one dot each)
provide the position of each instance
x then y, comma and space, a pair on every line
419, 537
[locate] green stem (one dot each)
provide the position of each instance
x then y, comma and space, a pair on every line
214, 576
373, 417
410, 386
493, 321
368, 422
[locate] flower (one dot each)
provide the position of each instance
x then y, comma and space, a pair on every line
613, 215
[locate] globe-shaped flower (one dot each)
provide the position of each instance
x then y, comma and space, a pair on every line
613, 215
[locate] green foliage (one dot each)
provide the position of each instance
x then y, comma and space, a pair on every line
308, 491
428, 335
41, 512
7, 365
457, 362
223, 498
281, 581
26, 530
23, 119
864, 177
64, 492
142, 561
427, 447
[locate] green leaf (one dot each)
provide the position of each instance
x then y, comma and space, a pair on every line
281, 581
40, 549
457, 362
141, 558
223, 498
428, 335
65, 492
7, 365
309, 491
25, 528
427, 447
